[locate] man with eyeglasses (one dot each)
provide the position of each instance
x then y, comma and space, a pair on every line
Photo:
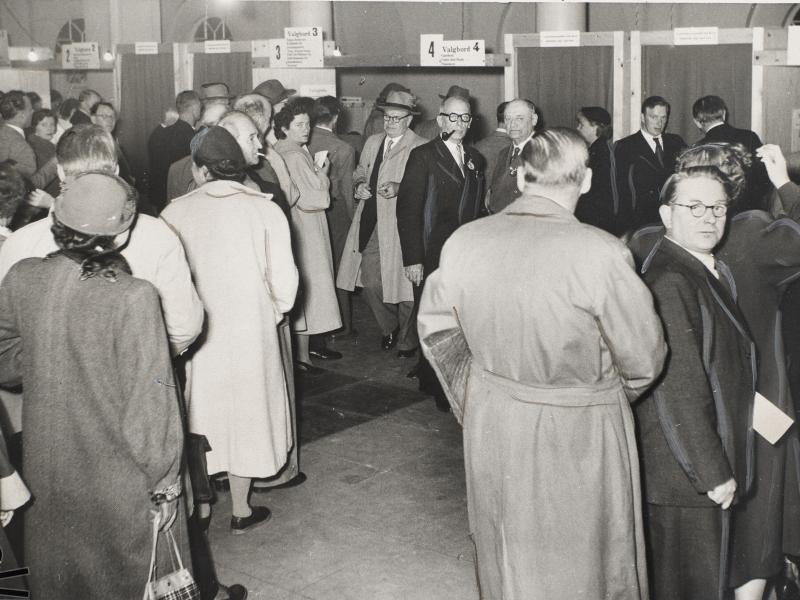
520, 121
371, 256
442, 188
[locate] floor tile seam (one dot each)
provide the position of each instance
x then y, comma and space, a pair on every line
225, 565
368, 379
316, 581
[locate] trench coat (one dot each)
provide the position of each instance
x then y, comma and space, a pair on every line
396, 286
238, 247
317, 310
557, 341
102, 425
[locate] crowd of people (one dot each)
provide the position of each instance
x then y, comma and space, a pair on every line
603, 319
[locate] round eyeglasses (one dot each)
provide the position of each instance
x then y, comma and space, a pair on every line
393, 119
699, 210
453, 117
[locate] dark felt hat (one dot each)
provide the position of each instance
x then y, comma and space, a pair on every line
220, 152
402, 100
392, 87
456, 91
273, 90
596, 114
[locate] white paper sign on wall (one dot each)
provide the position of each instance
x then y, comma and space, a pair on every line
83, 55
435, 51
304, 48
430, 48
318, 90
217, 46
145, 48
695, 36
559, 39
793, 46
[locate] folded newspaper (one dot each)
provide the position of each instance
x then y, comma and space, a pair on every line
451, 359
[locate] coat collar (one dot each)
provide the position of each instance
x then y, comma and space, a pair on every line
221, 188
446, 162
538, 206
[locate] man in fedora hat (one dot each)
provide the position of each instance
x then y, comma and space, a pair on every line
371, 257
273, 90
374, 122
215, 92
430, 129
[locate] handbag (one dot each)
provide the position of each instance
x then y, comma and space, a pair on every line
177, 585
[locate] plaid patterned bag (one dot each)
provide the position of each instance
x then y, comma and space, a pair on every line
177, 585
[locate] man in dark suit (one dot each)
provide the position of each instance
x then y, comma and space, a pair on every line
695, 439
520, 118
492, 144
644, 161
442, 188
710, 115
86, 100
171, 143
340, 213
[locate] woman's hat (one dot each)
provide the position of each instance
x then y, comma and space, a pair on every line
596, 114
220, 152
97, 203
402, 100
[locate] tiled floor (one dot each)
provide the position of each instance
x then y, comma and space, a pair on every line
383, 514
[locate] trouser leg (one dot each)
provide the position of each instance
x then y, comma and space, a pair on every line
385, 314
407, 316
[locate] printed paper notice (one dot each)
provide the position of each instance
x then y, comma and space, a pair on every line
559, 39
695, 36
146, 48
277, 53
84, 55
217, 46
304, 48
429, 49
318, 90
793, 47
769, 421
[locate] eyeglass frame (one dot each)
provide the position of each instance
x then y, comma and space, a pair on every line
715, 208
455, 117
394, 118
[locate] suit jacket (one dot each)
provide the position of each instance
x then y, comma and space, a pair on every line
435, 198
600, 205
695, 424
164, 147
80, 118
14, 146
179, 178
396, 286
490, 148
640, 177
758, 184
503, 184
343, 163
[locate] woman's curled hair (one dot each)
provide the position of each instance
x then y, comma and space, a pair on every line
96, 254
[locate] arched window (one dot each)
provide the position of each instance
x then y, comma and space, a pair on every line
212, 28
72, 31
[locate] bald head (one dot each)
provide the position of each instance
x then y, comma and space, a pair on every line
242, 127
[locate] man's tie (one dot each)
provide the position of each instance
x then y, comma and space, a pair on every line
659, 151
460, 157
369, 214
388, 147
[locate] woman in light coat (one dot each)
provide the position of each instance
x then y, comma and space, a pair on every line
318, 310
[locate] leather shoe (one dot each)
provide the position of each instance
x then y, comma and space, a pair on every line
325, 354
298, 479
390, 341
259, 516
407, 353
233, 592
305, 368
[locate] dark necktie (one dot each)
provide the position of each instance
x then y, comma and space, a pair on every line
369, 216
659, 151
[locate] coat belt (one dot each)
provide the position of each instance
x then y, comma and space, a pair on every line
598, 394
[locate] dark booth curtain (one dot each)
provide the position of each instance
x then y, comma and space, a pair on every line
147, 90
235, 69
682, 74
559, 81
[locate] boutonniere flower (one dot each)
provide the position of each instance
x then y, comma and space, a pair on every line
470, 164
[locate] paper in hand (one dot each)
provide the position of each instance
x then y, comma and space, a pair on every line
319, 158
769, 421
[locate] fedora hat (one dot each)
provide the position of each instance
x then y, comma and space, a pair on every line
398, 99
273, 90
215, 90
456, 91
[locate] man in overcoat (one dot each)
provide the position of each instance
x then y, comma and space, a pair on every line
695, 433
371, 256
542, 334
442, 189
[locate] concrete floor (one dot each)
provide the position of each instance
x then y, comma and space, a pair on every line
383, 515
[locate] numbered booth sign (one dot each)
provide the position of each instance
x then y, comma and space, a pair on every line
435, 51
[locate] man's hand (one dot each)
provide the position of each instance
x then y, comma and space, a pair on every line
723, 493
414, 273
775, 163
389, 189
5, 517
362, 191
40, 199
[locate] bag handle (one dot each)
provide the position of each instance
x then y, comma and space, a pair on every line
177, 555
